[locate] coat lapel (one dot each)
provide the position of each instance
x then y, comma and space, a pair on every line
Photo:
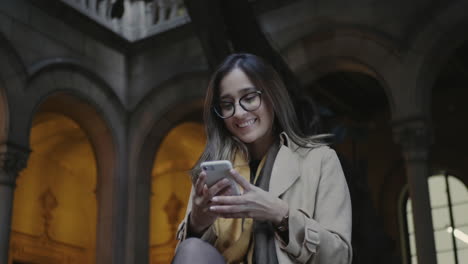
285, 171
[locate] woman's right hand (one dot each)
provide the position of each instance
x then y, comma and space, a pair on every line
201, 217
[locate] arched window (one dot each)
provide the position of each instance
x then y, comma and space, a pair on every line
170, 187
449, 203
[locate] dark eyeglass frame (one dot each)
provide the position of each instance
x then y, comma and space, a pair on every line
240, 103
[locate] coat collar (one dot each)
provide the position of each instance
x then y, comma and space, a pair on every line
286, 167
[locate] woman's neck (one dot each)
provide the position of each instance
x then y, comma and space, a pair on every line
260, 147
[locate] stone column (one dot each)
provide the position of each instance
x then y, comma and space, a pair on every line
415, 137
12, 161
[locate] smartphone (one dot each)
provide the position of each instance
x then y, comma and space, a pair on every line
218, 170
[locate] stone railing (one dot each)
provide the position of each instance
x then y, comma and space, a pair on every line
140, 18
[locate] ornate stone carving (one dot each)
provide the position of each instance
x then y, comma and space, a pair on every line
135, 19
34, 249
48, 204
12, 160
172, 209
415, 137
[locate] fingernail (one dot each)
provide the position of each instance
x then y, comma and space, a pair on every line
214, 199
212, 208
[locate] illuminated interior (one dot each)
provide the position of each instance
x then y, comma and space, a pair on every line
54, 211
171, 185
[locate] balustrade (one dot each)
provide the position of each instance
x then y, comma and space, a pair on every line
140, 18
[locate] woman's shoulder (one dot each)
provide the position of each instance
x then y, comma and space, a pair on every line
316, 142
312, 149
316, 151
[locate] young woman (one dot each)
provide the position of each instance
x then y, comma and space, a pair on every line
295, 205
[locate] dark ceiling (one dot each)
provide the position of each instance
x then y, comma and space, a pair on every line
356, 95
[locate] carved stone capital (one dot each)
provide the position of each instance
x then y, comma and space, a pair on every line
12, 160
415, 136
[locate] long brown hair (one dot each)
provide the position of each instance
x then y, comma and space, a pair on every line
221, 144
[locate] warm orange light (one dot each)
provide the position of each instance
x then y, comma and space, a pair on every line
54, 215
171, 186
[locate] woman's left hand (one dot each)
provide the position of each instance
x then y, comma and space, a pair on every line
253, 203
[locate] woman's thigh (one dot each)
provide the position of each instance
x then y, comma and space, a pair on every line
194, 250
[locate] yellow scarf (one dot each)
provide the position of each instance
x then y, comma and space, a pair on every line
235, 234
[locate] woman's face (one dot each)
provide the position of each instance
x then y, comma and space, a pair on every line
254, 127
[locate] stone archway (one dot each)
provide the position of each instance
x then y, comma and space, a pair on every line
178, 100
359, 115
171, 185
429, 52
12, 79
448, 111
13, 155
81, 96
349, 50
431, 49
57, 188
365, 64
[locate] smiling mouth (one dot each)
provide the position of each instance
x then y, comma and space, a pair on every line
247, 123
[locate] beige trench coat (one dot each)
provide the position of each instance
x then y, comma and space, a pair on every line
311, 181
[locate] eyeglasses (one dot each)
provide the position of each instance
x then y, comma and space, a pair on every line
249, 102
